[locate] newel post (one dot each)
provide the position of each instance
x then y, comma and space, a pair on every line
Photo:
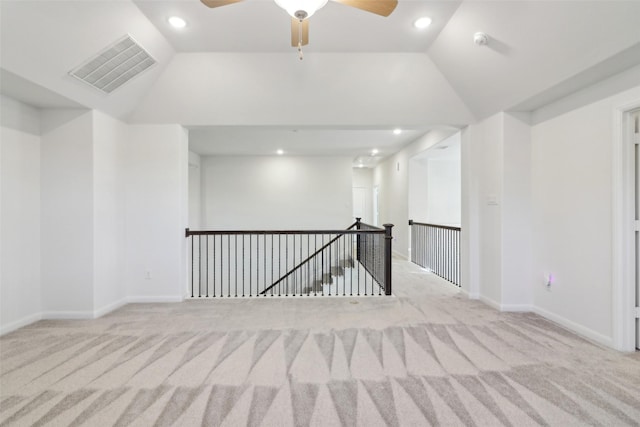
387, 258
358, 239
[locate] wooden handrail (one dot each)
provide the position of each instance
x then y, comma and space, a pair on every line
446, 227
290, 272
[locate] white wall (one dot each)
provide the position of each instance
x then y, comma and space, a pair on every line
435, 184
418, 203
223, 89
195, 196
20, 290
277, 192
156, 212
67, 212
363, 183
496, 214
572, 215
109, 141
443, 191
517, 293
392, 177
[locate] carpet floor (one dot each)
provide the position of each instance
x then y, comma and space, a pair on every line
426, 356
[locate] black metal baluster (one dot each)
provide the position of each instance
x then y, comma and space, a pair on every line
207, 265
199, 266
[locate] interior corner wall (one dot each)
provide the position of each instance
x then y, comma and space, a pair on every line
572, 215
283, 192
20, 290
67, 231
496, 219
470, 213
392, 178
156, 194
109, 142
517, 279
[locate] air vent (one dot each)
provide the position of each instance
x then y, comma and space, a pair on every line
115, 65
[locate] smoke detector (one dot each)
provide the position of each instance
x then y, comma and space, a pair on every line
480, 38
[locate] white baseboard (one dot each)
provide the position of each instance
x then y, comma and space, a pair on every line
71, 315
566, 323
491, 303
161, 298
575, 327
516, 308
84, 315
469, 294
109, 308
399, 255
17, 324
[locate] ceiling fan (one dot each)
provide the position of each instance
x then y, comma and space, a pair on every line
301, 11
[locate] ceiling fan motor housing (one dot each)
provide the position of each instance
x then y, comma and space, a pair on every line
300, 14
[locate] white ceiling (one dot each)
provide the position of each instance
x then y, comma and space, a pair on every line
231, 75
356, 143
262, 26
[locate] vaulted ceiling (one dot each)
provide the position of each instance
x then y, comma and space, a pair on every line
232, 68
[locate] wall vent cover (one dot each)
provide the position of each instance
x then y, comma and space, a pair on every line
115, 65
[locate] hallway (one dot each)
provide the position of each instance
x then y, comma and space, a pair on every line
426, 356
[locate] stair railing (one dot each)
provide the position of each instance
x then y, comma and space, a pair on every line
238, 263
436, 248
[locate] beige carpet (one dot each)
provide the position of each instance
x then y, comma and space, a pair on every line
427, 356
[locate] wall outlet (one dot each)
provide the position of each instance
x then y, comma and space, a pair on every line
549, 280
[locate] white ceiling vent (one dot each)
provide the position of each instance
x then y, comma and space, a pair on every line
115, 65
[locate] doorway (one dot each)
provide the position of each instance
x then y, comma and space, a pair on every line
626, 226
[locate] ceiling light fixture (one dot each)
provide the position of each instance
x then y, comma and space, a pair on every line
177, 22
374, 151
301, 9
397, 131
280, 152
422, 23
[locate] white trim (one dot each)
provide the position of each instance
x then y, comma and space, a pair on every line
71, 315
27, 320
622, 230
109, 308
161, 298
491, 303
469, 294
574, 327
516, 308
398, 254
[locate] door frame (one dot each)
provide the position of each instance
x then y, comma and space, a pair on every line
623, 244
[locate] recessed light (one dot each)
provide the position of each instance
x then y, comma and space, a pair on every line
177, 22
422, 23
280, 152
374, 151
360, 165
397, 131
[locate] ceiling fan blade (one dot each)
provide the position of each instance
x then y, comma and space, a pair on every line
379, 7
295, 32
218, 3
